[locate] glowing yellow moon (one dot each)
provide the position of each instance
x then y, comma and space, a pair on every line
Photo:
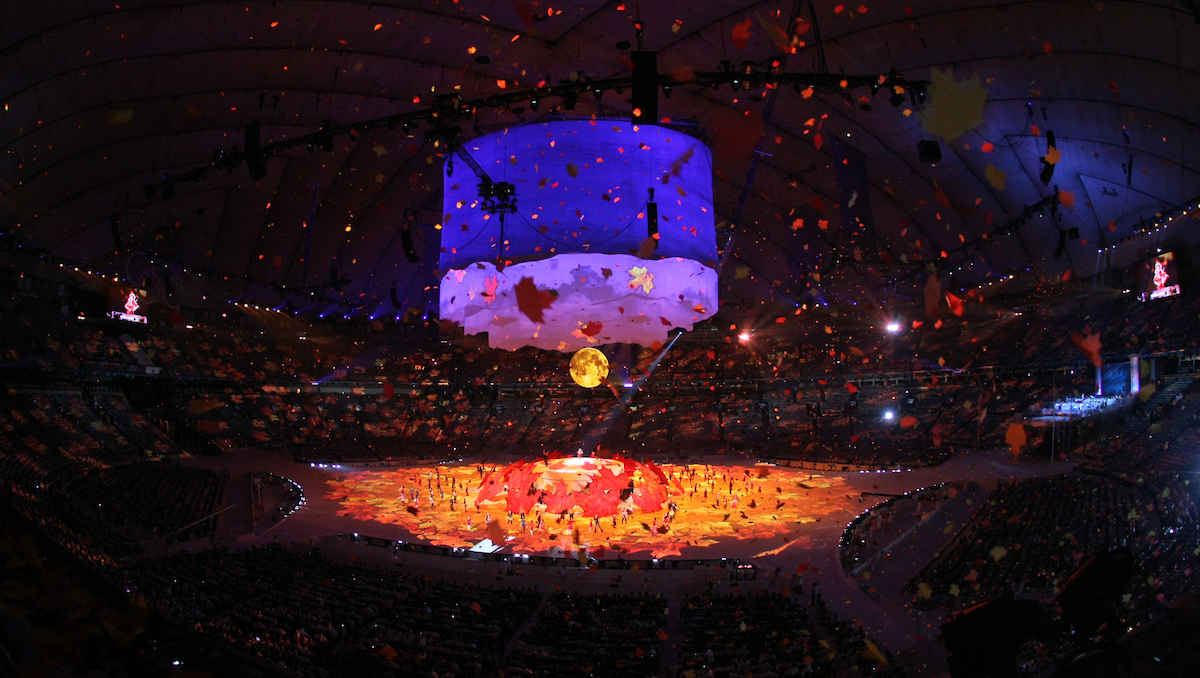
589, 367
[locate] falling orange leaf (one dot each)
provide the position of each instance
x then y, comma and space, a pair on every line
1015, 437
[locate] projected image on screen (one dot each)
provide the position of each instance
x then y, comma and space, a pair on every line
127, 303
1158, 278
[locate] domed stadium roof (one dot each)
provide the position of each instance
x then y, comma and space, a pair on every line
124, 134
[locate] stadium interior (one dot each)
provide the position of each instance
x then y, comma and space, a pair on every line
692, 340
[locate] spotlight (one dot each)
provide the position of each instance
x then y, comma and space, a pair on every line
744, 337
533, 104
889, 415
667, 91
893, 327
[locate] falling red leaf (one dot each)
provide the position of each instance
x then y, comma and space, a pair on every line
816, 203
851, 388
741, 33
1067, 198
941, 197
987, 147
818, 140
1047, 47
532, 301
592, 329
678, 164
956, 304
736, 134
908, 421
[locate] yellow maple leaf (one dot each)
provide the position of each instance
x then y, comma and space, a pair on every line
995, 176
955, 106
641, 278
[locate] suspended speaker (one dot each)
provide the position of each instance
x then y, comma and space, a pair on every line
644, 86
254, 154
407, 243
1062, 245
929, 151
1047, 173
395, 299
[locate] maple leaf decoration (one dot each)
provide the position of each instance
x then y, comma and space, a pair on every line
933, 295
1015, 437
641, 278
955, 106
1089, 343
677, 166
956, 304
995, 176
532, 301
741, 33
592, 329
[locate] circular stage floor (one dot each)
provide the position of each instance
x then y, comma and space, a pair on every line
776, 508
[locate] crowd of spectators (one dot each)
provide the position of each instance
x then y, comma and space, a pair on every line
802, 347
84, 466
170, 501
774, 634
303, 612
1030, 536
593, 635
868, 424
868, 534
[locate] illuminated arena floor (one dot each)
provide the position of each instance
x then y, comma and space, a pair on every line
777, 508
713, 504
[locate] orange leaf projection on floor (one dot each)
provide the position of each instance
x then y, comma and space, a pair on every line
711, 503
